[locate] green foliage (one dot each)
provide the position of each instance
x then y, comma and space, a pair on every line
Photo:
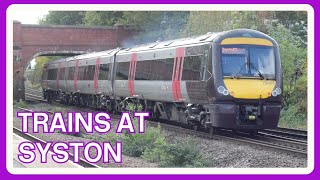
296, 21
294, 64
22, 104
63, 18
36, 75
207, 21
291, 117
136, 144
102, 18
180, 154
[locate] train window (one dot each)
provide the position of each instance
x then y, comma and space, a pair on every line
70, 73
159, 69
62, 73
89, 72
81, 72
143, 69
191, 68
52, 74
103, 71
123, 70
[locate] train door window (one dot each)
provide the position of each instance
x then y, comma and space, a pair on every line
54, 74
85, 71
103, 71
71, 73
148, 69
123, 70
191, 68
50, 74
139, 71
167, 71
62, 73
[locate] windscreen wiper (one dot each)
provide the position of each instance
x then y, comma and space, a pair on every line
243, 66
260, 74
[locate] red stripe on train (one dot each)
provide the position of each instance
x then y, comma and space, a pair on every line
177, 74
132, 72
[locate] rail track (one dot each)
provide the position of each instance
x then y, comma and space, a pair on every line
32, 138
285, 133
274, 143
275, 139
33, 94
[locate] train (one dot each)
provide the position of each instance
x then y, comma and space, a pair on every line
224, 80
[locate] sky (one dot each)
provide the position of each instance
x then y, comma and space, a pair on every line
28, 16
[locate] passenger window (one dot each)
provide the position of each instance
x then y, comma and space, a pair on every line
191, 68
123, 70
103, 71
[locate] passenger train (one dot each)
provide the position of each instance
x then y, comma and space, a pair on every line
230, 80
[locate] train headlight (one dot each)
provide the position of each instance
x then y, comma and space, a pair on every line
226, 92
223, 90
276, 92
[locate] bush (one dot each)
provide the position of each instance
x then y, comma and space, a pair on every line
180, 154
136, 144
153, 147
291, 117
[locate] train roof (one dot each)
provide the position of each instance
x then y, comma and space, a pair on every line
172, 43
201, 39
110, 52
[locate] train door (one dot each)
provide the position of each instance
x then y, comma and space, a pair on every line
176, 75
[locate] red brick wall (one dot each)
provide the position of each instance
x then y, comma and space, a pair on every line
29, 40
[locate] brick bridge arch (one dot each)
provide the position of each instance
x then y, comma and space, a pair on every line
30, 41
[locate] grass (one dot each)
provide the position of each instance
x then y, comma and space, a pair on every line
22, 104
291, 117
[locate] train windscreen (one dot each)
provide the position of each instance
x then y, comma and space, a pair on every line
248, 61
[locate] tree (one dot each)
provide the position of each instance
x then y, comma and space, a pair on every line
63, 18
294, 62
207, 21
296, 22
102, 18
155, 25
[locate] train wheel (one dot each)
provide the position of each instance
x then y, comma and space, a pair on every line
212, 130
196, 127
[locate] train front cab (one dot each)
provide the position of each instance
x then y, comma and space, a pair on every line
247, 81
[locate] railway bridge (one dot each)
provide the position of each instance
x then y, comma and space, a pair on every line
31, 41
